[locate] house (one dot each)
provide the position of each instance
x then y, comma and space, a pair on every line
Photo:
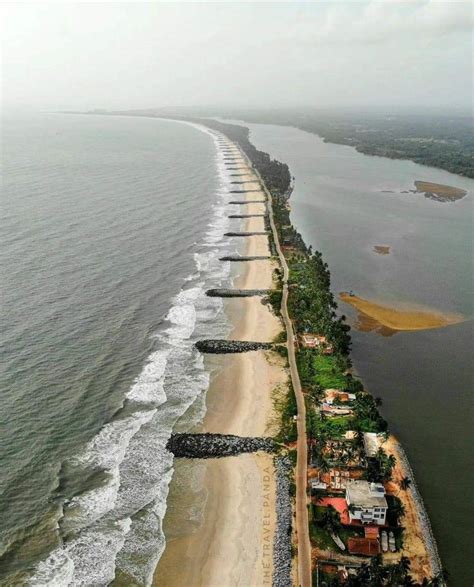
332, 410
366, 502
372, 443
315, 341
331, 395
317, 484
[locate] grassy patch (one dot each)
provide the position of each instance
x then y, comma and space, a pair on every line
280, 337
328, 374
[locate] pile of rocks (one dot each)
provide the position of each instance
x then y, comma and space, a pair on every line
243, 191
248, 202
217, 346
210, 446
236, 293
259, 233
247, 215
282, 543
239, 258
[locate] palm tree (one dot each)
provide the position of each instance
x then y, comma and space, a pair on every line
405, 483
331, 520
398, 510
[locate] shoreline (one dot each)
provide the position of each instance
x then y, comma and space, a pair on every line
229, 546
423, 552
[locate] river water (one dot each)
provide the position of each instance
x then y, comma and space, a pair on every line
344, 203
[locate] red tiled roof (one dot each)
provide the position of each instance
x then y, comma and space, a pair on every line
339, 504
364, 546
371, 532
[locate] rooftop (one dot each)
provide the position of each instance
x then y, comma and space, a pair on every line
364, 546
372, 443
364, 494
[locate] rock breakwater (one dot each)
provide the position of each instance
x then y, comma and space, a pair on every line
237, 258
219, 346
211, 446
248, 202
257, 233
237, 293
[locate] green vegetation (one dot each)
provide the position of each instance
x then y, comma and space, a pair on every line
438, 140
328, 374
286, 408
280, 337
274, 299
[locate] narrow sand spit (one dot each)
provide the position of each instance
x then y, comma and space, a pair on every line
233, 545
414, 538
387, 320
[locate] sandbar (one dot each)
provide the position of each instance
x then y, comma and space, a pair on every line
382, 249
386, 320
439, 192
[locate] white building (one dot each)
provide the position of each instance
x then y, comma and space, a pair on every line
368, 502
372, 443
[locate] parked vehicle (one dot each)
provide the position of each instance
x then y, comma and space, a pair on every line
391, 542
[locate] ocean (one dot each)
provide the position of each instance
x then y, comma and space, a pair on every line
344, 203
111, 233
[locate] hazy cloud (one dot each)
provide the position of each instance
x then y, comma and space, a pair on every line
138, 55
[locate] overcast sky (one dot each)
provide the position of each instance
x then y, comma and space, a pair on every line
138, 55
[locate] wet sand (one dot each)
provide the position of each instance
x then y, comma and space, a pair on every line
387, 320
232, 543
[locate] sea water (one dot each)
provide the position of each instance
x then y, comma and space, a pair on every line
112, 231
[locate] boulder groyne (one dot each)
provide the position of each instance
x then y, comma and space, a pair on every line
259, 233
248, 202
237, 258
244, 191
212, 446
247, 215
222, 292
224, 347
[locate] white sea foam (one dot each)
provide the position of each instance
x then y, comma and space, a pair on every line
107, 449
94, 552
56, 571
119, 524
88, 507
148, 386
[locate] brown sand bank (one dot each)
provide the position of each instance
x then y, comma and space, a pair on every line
382, 249
387, 320
440, 191
231, 542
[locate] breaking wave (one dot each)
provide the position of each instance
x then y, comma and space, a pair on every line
115, 527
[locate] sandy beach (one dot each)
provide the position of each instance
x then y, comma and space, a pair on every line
415, 541
232, 544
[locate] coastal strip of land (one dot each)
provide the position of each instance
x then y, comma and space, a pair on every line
344, 458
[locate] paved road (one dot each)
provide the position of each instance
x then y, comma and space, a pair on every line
302, 528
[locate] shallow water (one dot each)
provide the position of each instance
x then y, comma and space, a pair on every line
344, 203
112, 231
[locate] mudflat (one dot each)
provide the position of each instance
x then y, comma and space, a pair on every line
386, 320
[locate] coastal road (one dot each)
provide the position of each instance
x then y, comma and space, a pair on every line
302, 528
